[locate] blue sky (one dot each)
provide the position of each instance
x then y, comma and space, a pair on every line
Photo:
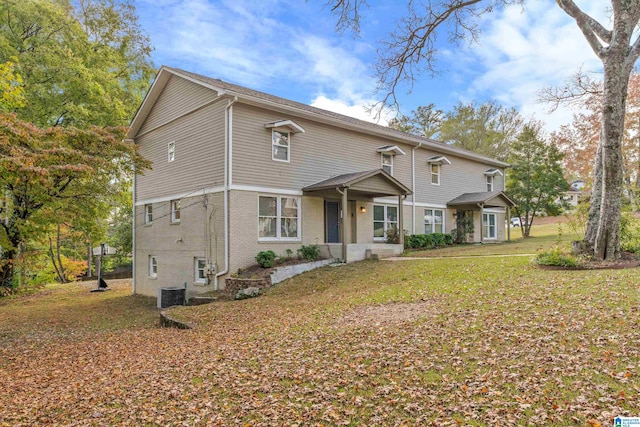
290, 48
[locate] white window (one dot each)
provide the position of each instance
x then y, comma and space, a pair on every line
433, 221
175, 211
153, 266
148, 214
435, 174
278, 218
387, 163
200, 270
489, 226
489, 182
384, 218
171, 151
280, 145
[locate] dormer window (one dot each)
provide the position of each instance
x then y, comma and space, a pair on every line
387, 152
281, 132
435, 164
387, 163
280, 146
171, 152
490, 177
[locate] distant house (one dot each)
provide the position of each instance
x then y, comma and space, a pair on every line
572, 197
237, 171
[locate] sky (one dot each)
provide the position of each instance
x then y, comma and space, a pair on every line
290, 48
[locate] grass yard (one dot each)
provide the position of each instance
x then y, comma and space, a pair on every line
443, 342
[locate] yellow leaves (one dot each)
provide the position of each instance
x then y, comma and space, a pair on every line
594, 423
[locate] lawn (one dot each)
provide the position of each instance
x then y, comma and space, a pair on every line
443, 342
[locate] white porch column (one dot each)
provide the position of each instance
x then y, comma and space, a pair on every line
343, 224
508, 223
481, 223
401, 220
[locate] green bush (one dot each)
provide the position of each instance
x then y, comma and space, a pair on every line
311, 252
558, 256
629, 233
265, 259
427, 241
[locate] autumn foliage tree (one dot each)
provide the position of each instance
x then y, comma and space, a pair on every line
82, 62
46, 174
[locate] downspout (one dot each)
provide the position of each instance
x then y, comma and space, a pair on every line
413, 187
227, 180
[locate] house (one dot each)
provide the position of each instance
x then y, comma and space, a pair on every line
236, 172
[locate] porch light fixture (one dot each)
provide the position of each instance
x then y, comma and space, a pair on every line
363, 209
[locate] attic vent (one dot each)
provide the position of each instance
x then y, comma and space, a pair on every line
171, 296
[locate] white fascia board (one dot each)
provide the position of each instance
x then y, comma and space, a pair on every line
439, 160
177, 196
269, 190
493, 172
391, 148
293, 126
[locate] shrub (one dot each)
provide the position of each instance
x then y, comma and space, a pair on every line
558, 256
265, 259
393, 235
311, 252
427, 241
629, 233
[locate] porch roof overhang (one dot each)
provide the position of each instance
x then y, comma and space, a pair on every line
487, 199
372, 183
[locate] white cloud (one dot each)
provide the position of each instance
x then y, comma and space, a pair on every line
524, 51
258, 44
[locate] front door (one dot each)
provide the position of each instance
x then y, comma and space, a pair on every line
332, 221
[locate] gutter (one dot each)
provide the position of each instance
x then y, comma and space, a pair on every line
413, 187
227, 183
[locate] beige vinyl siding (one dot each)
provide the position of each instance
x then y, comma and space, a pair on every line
176, 245
199, 155
319, 153
178, 98
461, 176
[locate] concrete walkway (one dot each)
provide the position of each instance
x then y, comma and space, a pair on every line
407, 258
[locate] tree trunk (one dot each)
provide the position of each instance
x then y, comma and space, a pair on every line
596, 199
606, 237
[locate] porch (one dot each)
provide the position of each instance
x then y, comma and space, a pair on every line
349, 220
492, 206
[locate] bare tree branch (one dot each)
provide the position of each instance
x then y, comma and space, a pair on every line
592, 30
348, 13
575, 90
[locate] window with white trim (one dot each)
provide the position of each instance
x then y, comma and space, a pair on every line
171, 151
387, 163
280, 145
278, 218
433, 221
435, 173
489, 228
489, 182
153, 266
175, 211
148, 214
384, 218
200, 265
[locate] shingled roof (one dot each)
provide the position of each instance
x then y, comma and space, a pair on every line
266, 100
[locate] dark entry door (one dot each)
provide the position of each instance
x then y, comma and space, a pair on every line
332, 221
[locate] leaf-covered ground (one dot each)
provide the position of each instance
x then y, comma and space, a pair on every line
485, 341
